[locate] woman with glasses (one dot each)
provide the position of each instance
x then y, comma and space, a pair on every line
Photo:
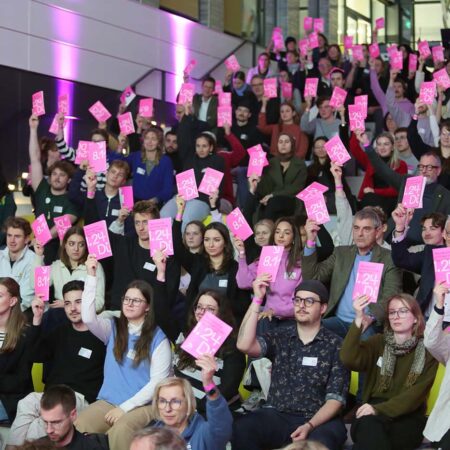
175, 404
71, 265
138, 356
399, 373
230, 361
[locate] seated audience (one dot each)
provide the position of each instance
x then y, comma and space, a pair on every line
263, 68
156, 438
205, 104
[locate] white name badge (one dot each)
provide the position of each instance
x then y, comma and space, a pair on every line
140, 171
131, 354
309, 361
85, 353
223, 283
380, 361
149, 266
58, 209
115, 212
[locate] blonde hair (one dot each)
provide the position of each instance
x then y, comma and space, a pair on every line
394, 160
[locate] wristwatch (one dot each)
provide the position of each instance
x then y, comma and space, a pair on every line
210, 390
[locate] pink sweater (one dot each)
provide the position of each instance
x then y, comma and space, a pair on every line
281, 290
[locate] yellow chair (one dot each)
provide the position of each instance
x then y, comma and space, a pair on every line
36, 374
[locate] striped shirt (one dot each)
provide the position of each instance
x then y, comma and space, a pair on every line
2, 338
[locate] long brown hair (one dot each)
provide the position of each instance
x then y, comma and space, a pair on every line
188, 361
413, 305
16, 321
295, 251
228, 251
142, 346
63, 256
159, 148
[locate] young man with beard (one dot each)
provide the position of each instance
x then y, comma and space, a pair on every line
309, 383
76, 358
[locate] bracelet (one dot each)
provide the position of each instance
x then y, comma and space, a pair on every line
90, 194
439, 311
311, 425
366, 145
339, 187
179, 217
209, 387
310, 243
257, 300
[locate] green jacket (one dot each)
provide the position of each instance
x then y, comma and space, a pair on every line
336, 270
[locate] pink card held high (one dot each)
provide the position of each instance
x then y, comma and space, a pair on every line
160, 235
38, 108
210, 182
100, 113
441, 261
42, 282
41, 230
186, 185
413, 192
368, 280
269, 260
126, 123
98, 240
238, 225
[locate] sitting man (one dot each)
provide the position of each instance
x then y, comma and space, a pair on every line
77, 358
340, 271
309, 383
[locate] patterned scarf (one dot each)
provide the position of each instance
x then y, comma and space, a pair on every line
392, 350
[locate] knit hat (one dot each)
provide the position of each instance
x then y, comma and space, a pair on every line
316, 287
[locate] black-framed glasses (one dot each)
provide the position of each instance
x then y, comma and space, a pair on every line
427, 167
174, 403
132, 301
402, 313
307, 301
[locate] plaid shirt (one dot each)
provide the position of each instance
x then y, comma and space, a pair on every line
304, 377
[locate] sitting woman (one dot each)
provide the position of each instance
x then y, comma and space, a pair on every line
138, 356
399, 373
174, 407
16, 341
230, 361
71, 265
278, 308
375, 191
437, 341
263, 230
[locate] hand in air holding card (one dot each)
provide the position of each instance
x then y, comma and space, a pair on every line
91, 265
359, 305
440, 291
402, 217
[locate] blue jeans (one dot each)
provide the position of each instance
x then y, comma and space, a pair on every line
3, 413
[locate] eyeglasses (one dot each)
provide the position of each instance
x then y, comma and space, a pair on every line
426, 167
202, 309
402, 312
308, 301
174, 403
54, 423
132, 301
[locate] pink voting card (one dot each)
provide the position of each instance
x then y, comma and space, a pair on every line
126, 197
438, 53
308, 23
207, 336
303, 45
238, 225
188, 69
286, 90
412, 62
127, 96
424, 49
269, 260
231, 63
160, 235
348, 42
270, 88
441, 261
368, 280
336, 150
427, 92
82, 152
396, 60
62, 224
211, 181
311, 85
442, 79
313, 40
312, 190
256, 163
97, 156
100, 113
357, 52
186, 184
224, 115
146, 107
278, 42
319, 25
338, 97
98, 240
363, 101
187, 92
54, 127
63, 104
41, 230
356, 116
379, 23
374, 50
218, 87
126, 123
225, 99
316, 209
42, 282
413, 193
37, 100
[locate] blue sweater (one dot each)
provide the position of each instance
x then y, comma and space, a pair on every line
160, 182
122, 380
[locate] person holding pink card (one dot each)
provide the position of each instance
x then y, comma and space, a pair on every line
205, 105
262, 69
395, 382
